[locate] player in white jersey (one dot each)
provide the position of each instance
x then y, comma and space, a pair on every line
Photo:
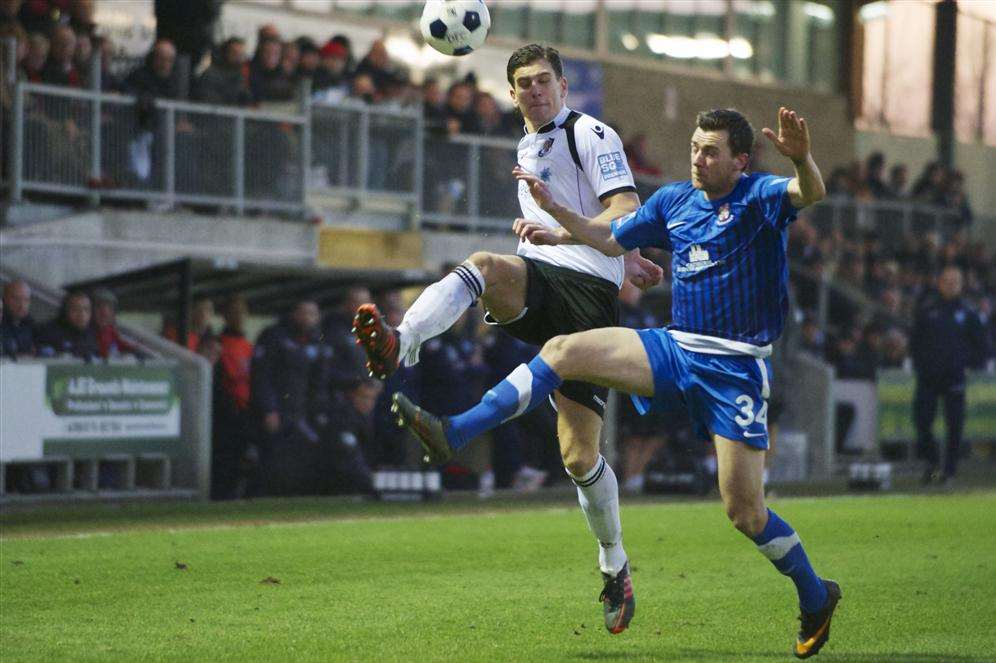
546, 291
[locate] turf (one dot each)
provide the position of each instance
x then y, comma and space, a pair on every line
417, 583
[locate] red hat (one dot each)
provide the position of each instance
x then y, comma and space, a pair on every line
333, 49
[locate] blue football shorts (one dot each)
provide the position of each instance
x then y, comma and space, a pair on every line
724, 395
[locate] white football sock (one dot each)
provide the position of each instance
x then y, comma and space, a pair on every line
598, 493
438, 307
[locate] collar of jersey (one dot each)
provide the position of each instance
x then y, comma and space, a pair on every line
552, 124
727, 197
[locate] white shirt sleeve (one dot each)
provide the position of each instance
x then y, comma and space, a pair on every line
602, 157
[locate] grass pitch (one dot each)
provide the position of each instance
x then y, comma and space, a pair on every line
322, 580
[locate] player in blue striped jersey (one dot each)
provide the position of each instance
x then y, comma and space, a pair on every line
726, 230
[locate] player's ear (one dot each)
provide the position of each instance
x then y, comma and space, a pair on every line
563, 87
742, 160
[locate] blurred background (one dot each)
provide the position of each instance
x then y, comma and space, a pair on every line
198, 193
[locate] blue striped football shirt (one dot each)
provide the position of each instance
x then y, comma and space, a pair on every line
729, 272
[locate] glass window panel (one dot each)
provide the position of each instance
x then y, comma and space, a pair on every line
399, 10
969, 78
754, 21
821, 23
509, 18
577, 23
623, 37
544, 20
989, 116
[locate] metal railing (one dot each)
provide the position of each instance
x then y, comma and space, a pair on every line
117, 147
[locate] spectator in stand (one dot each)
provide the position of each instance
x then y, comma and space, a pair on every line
362, 87
81, 17
837, 183
290, 392
344, 462
812, 338
309, 58
104, 48
491, 121
233, 432
857, 182
929, 187
636, 155
348, 360
894, 348
189, 24
60, 68
155, 77
290, 60
347, 44
433, 106
82, 56
200, 323
109, 340
459, 110
8, 346
874, 176
71, 332
43, 15
224, 82
947, 338
899, 179
377, 63
34, 61
18, 327
267, 79
954, 197
642, 436
8, 15
332, 70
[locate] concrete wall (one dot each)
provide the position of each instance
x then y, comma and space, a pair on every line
662, 104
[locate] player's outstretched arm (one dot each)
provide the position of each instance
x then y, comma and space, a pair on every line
792, 141
595, 232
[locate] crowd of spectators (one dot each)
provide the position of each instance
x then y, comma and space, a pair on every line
868, 181
878, 286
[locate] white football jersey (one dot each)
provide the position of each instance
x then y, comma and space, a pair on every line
583, 162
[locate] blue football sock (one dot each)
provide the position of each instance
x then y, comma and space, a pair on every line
524, 388
779, 543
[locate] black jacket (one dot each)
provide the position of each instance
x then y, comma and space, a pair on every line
60, 338
947, 338
18, 338
290, 374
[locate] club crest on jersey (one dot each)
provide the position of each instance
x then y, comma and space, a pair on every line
724, 215
545, 148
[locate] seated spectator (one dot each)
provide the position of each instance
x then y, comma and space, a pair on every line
109, 341
491, 120
433, 105
331, 71
344, 464
17, 327
290, 59
267, 79
639, 162
362, 87
899, 179
874, 172
155, 77
60, 68
71, 332
224, 82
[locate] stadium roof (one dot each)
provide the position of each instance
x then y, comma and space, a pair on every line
171, 287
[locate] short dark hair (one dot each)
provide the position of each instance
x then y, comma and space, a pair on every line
741, 133
529, 54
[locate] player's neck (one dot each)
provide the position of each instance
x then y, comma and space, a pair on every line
534, 125
718, 194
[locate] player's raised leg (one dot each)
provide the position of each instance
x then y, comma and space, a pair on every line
741, 485
579, 430
499, 281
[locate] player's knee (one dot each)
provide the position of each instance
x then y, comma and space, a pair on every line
578, 459
487, 264
748, 519
557, 351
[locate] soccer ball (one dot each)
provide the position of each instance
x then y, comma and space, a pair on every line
455, 27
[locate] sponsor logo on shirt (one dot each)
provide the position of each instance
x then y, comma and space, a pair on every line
612, 165
698, 259
545, 148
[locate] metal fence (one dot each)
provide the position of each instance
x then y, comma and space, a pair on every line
117, 147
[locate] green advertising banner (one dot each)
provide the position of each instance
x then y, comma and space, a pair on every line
92, 403
895, 408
